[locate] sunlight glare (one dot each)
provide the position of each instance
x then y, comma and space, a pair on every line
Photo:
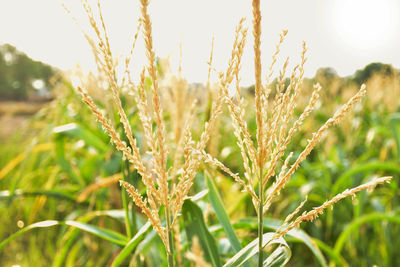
366, 23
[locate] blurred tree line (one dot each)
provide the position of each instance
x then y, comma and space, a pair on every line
328, 76
361, 76
21, 77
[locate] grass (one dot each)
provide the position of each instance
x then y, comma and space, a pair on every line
233, 202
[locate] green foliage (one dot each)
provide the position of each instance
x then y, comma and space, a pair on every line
47, 184
131, 245
19, 72
195, 227
361, 76
278, 257
220, 212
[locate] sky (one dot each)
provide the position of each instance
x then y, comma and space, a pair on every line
343, 34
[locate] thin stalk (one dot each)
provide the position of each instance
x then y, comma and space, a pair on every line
260, 220
125, 205
170, 250
133, 180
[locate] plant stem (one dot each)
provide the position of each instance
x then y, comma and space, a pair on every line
260, 220
125, 204
170, 249
133, 180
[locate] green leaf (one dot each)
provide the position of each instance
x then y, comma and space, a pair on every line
56, 193
22, 166
64, 163
355, 226
279, 257
126, 251
337, 258
344, 181
80, 132
223, 218
195, 226
42, 224
309, 242
273, 224
106, 234
72, 234
395, 127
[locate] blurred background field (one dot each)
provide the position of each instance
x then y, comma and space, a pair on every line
60, 202
56, 163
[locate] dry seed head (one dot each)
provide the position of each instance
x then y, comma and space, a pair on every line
151, 215
271, 140
237, 108
193, 161
210, 60
155, 197
313, 142
133, 155
258, 86
103, 25
128, 59
161, 156
277, 50
285, 140
291, 215
315, 212
159, 195
213, 161
184, 139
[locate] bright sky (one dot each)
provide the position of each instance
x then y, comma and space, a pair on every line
343, 34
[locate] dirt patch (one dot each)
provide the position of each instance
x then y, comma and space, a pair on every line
17, 108
15, 115
11, 124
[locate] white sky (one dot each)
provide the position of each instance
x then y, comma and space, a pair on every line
343, 34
